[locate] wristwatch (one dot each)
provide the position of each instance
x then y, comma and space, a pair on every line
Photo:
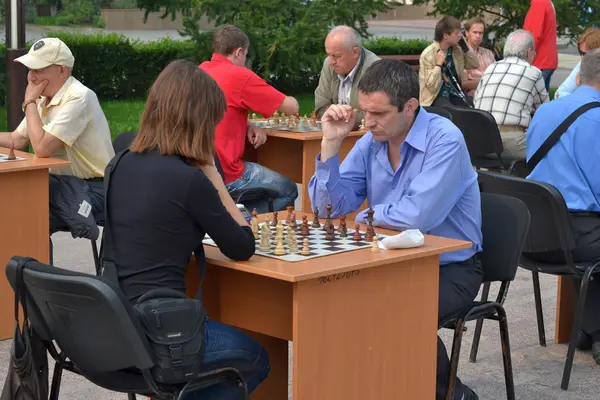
26, 103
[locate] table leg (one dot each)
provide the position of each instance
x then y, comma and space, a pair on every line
370, 334
25, 230
566, 300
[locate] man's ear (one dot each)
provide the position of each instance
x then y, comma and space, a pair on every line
356, 52
578, 79
411, 106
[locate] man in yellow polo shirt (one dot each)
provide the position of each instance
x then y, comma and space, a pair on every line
63, 119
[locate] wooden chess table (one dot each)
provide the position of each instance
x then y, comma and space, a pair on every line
351, 317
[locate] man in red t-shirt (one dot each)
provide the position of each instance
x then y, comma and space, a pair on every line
541, 22
245, 91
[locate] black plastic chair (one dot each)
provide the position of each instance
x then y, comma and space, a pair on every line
482, 137
248, 195
550, 232
98, 335
505, 225
442, 112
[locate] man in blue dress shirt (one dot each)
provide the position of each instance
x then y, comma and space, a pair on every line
415, 171
572, 167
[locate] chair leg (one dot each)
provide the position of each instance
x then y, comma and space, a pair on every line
538, 308
56, 380
506, 354
455, 355
479, 325
576, 326
96, 257
131, 396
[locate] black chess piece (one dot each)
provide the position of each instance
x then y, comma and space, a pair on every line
328, 221
330, 233
316, 223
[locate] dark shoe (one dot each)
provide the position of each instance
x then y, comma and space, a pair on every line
469, 394
583, 341
596, 352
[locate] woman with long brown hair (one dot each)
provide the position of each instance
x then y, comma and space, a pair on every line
166, 194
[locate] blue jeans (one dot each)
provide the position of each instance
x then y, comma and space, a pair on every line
224, 343
547, 74
283, 190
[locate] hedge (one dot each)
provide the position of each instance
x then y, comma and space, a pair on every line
117, 67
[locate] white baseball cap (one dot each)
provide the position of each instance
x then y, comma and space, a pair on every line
46, 52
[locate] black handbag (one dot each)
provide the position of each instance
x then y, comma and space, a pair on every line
27, 377
173, 323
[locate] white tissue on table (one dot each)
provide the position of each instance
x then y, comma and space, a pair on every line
404, 240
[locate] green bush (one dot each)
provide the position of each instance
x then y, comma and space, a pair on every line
386, 46
118, 68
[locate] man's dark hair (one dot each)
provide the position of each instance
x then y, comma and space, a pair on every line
445, 26
394, 78
227, 38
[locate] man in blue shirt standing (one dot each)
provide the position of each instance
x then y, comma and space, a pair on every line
572, 167
415, 171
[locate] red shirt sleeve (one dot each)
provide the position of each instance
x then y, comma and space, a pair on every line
259, 96
534, 21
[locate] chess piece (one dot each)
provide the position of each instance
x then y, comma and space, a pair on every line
254, 213
375, 247
254, 226
290, 210
293, 242
275, 221
293, 221
253, 115
278, 230
304, 231
343, 228
11, 153
330, 233
357, 236
369, 235
305, 250
265, 240
279, 249
362, 124
316, 223
328, 221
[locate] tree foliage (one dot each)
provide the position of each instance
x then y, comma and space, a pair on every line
573, 16
287, 36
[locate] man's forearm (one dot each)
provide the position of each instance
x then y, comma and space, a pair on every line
35, 128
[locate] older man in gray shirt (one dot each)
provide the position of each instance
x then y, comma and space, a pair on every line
345, 64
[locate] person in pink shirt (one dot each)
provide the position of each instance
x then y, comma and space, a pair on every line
541, 22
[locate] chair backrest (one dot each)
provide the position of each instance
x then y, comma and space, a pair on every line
123, 140
550, 228
442, 112
479, 129
90, 320
505, 223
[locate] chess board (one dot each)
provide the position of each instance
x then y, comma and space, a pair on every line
4, 158
303, 126
317, 243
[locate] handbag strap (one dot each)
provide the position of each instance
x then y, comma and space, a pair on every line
558, 132
109, 268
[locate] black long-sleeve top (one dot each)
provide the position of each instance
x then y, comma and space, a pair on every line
160, 209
